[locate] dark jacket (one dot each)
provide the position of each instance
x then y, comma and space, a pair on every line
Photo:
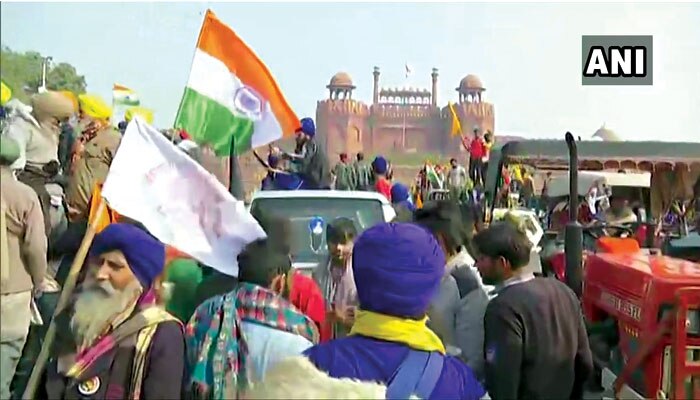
314, 167
110, 375
536, 346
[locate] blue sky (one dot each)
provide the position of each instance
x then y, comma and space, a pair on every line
527, 55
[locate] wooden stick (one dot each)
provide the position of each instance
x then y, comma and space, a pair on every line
68, 287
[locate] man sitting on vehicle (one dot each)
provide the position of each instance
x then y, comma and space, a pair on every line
311, 162
620, 212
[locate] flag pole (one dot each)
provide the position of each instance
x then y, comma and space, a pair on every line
199, 37
68, 287
235, 185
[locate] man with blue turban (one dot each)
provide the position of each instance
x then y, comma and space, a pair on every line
310, 159
380, 170
397, 270
123, 343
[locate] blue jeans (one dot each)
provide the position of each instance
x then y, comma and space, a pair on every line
15, 310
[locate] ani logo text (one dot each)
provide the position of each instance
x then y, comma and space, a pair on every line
617, 60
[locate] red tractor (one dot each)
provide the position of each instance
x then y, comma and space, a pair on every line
642, 308
644, 319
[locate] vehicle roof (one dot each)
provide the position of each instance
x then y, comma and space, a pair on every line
654, 152
328, 194
658, 267
559, 185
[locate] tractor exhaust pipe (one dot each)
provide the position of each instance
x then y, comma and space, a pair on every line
573, 235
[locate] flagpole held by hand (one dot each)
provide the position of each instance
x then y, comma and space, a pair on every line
68, 288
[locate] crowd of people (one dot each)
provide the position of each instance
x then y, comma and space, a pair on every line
420, 307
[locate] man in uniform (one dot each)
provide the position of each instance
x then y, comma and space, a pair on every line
37, 135
96, 149
22, 261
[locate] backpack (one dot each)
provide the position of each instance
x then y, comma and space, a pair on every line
417, 375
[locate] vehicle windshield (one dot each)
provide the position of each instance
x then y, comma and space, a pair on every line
309, 245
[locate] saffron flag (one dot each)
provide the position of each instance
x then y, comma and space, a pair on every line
177, 200
231, 97
456, 125
123, 96
108, 216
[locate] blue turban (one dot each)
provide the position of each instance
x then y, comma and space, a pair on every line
401, 196
308, 127
380, 165
272, 161
399, 193
397, 269
144, 253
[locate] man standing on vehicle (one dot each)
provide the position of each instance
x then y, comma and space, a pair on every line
344, 174
535, 340
477, 150
457, 176
311, 162
363, 173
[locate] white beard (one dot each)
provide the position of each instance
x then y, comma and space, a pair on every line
96, 307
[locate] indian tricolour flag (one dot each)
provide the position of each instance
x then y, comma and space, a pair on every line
123, 96
231, 98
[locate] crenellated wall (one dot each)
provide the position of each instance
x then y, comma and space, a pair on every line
404, 120
344, 126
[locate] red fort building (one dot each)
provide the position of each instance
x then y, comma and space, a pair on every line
399, 120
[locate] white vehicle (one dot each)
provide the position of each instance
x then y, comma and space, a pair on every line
559, 185
534, 232
310, 211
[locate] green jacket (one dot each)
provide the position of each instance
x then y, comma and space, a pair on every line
344, 177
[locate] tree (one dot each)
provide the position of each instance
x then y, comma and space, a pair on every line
22, 73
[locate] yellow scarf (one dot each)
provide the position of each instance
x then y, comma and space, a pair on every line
413, 333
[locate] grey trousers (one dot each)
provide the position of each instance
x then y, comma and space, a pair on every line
15, 312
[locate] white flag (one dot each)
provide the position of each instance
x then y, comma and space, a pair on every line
177, 200
409, 71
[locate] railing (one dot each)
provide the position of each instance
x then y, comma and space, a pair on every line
685, 374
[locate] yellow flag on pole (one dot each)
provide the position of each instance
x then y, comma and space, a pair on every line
456, 126
5, 93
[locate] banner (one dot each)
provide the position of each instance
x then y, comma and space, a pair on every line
177, 200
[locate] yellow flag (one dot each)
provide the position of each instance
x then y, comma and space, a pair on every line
5, 93
456, 126
144, 113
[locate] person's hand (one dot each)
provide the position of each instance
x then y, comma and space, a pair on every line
348, 316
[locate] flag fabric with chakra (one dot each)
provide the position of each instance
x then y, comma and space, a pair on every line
231, 97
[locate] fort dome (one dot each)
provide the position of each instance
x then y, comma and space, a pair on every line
470, 83
341, 80
607, 135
